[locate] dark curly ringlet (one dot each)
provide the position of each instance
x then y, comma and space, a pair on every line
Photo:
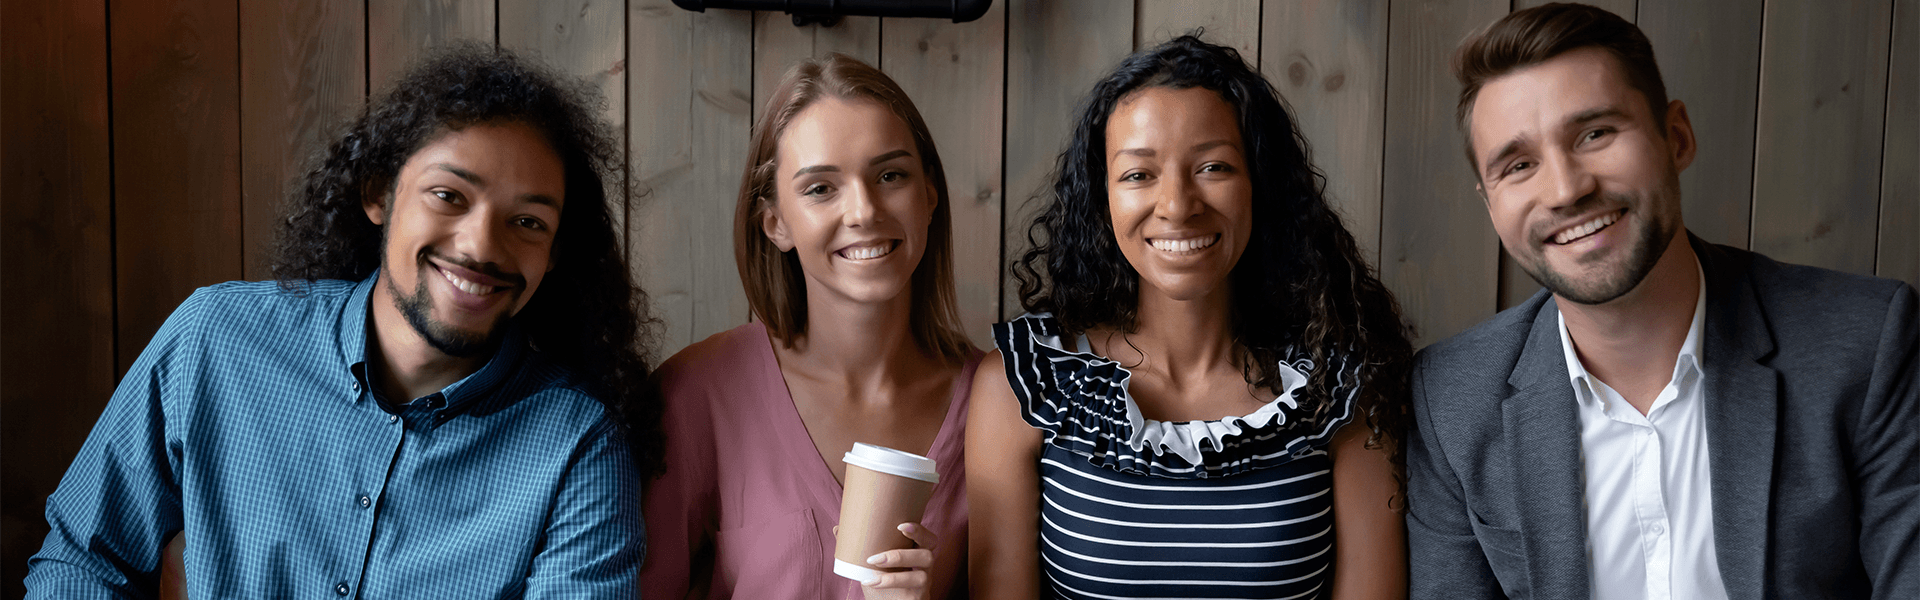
587, 314
1302, 282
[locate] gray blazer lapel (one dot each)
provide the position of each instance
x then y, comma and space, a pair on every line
1545, 427
1743, 414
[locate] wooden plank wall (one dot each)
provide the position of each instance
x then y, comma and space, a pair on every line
148, 144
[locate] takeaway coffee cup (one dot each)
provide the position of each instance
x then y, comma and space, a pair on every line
884, 488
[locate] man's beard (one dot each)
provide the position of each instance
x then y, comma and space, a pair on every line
451, 341
1649, 243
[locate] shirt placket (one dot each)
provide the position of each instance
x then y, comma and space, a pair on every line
368, 502
1649, 497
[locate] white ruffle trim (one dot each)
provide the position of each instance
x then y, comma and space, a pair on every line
1183, 437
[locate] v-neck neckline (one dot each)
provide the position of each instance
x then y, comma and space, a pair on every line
790, 411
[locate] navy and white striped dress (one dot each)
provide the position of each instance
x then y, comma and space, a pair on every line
1136, 508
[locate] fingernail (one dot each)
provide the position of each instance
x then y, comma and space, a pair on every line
877, 559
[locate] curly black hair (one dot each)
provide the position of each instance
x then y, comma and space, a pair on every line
1301, 288
588, 314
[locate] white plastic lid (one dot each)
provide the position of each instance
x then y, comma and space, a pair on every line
854, 572
892, 462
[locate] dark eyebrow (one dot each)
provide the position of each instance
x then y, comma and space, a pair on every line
470, 176
888, 156
541, 199
816, 169
1511, 148
1595, 114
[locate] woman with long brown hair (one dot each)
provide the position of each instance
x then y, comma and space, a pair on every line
843, 238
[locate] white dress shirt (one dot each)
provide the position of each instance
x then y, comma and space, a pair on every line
1648, 492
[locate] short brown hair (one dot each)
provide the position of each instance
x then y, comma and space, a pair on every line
775, 285
1535, 35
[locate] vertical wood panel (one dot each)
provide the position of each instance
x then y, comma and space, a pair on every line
582, 38
176, 158
57, 354
1233, 23
1438, 252
399, 31
1329, 59
1047, 76
1624, 8
956, 75
690, 88
1823, 75
1899, 255
1709, 54
302, 73
777, 44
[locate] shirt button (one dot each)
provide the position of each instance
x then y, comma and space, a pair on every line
365, 502
340, 588
393, 418
356, 386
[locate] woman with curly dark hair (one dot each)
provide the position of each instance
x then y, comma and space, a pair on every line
445, 393
1208, 393
843, 236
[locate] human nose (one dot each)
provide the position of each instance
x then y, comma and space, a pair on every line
1567, 181
862, 206
478, 236
1177, 198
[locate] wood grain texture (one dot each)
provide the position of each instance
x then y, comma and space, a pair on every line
1048, 75
956, 75
689, 89
1438, 252
1624, 8
302, 74
1233, 23
582, 38
1328, 58
400, 31
1709, 54
777, 44
1822, 116
1899, 254
176, 158
57, 354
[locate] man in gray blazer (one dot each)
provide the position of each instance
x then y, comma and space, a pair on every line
1670, 418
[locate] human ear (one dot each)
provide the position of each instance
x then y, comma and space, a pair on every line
375, 204
1680, 141
775, 227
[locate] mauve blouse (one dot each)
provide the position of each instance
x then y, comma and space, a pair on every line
741, 468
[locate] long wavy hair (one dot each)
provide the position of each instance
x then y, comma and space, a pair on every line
1301, 289
588, 314
775, 285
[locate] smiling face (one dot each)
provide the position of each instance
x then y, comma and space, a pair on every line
470, 225
1579, 176
1178, 190
852, 200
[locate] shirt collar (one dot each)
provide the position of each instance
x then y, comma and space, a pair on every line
456, 397
1689, 357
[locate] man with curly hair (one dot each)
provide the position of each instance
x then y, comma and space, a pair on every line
442, 395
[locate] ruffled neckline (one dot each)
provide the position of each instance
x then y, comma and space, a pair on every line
1081, 403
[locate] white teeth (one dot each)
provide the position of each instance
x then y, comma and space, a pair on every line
466, 286
1186, 245
1585, 229
867, 252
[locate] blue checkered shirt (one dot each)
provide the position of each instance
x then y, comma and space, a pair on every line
248, 424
